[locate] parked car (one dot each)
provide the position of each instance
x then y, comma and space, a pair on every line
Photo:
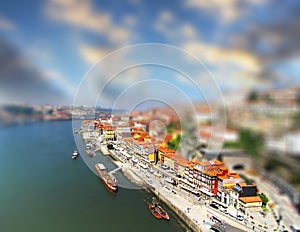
214, 206
295, 228
223, 210
240, 217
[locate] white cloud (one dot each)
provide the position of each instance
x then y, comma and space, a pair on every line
81, 14
215, 55
173, 29
130, 20
6, 24
92, 54
227, 11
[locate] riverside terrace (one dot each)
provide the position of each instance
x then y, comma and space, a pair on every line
211, 178
184, 189
206, 177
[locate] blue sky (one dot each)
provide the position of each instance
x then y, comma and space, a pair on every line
50, 45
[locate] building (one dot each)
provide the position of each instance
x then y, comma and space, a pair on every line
110, 133
249, 203
244, 196
205, 175
226, 182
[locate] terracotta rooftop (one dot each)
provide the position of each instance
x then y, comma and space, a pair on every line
244, 184
250, 199
165, 150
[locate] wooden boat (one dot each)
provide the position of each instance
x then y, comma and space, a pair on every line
154, 211
160, 209
162, 212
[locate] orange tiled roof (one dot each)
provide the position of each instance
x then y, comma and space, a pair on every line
165, 150
250, 199
211, 173
244, 184
218, 162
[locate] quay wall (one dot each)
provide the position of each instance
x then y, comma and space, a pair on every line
190, 223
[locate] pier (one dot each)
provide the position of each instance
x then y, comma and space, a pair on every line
115, 170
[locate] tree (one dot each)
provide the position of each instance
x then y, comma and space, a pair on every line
174, 143
110, 146
296, 121
252, 142
264, 199
272, 164
298, 98
253, 96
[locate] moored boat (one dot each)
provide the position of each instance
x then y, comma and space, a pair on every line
75, 154
154, 211
108, 180
162, 213
159, 209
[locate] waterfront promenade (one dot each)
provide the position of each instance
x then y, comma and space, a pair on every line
196, 213
194, 210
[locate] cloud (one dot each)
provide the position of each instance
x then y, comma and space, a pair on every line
130, 20
21, 81
6, 24
91, 54
272, 37
173, 29
216, 55
82, 14
226, 11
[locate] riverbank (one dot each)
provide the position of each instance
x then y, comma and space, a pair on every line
193, 212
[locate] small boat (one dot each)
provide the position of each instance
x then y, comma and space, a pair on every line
160, 209
154, 211
162, 212
75, 154
76, 131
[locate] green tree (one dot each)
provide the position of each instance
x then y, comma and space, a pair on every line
296, 121
272, 164
264, 199
174, 143
110, 146
295, 178
253, 96
298, 98
250, 141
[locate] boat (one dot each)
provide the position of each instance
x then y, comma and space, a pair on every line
160, 209
154, 211
76, 131
75, 154
108, 180
162, 212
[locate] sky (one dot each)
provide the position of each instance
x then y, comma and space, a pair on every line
47, 48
